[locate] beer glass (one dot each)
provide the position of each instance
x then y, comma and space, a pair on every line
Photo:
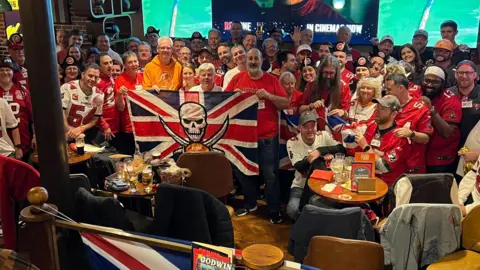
80, 144
147, 178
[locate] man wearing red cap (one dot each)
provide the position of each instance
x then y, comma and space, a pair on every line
340, 51
110, 121
18, 97
442, 53
17, 53
446, 113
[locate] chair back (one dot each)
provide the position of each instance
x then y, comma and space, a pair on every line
440, 188
470, 231
327, 252
211, 172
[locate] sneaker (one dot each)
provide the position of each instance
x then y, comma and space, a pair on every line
244, 211
275, 217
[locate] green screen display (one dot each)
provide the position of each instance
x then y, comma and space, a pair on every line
178, 18
401, 18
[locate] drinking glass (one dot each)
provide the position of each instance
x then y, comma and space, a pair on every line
340, 155
130, 174
80, 144
120, 169
347, 169
147, 178
337, 168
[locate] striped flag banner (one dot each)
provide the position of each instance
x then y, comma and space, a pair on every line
174, 122
108, 253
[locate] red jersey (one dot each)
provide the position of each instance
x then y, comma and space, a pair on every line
295, 102
351, 59
414, 90
131, 83
392, 149
443, 151
18, 97
110, 115
21, 77
347, 77
267, 119
345, 97
416, 116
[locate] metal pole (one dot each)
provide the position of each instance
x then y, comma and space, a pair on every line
37, 23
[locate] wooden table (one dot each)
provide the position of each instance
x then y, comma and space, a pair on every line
73, 158
381, 188
139, 194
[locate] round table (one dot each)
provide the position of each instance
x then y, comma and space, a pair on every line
381, 191
138, 194
73, 158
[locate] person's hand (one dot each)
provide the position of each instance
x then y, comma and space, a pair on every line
75, 132
108, 134
328, 157
317, 104
156, 88
18, 153
313, 155
123, 90
464, 210
470, 156
360, 139
263, 94
402, 132
259, 35
296, 36
427, 101
34, 143
375, 41
338, 112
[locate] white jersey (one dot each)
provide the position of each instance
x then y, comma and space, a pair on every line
7, 121
80, 108
198, 88
361, 114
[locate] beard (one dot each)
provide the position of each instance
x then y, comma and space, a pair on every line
327, 84
253, 68
431, 92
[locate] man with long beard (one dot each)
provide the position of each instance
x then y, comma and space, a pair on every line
272, 98
328, 91
446, 113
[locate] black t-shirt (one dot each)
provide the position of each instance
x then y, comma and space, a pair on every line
470, 113
427, 55
459, 55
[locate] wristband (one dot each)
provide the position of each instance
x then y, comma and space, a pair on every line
309, 107
433, 111
412, 135
367, 148
18, 146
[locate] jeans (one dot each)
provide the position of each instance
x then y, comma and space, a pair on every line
268, 165
294, 202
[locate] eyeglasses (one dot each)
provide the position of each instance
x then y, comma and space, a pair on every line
429, 81
465, 73
272, 47
330, 73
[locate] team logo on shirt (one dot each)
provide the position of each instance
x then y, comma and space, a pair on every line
97, 101
74, 96
19, 95
452, 115
392, 156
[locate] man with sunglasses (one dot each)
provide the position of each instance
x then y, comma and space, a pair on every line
446, 114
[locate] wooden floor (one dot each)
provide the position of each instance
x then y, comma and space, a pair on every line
255, 228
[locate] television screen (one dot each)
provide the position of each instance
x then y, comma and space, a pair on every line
178, 18
324, 17
401, 18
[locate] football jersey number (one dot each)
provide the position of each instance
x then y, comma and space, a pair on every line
448, 94
418, 105
75, 119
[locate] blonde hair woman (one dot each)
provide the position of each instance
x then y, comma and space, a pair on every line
362, 109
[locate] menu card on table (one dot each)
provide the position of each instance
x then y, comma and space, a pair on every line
363, 167
211, 257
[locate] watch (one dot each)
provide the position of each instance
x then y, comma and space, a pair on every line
412, 135
433, 111
367, 148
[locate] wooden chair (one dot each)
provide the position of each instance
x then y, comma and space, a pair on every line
470, 257
211, 172
326, 252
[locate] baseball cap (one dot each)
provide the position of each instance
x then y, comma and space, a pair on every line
388, 101
151, 30
205, 49
196, 35
434, 70
307, 116
275, 30
15, 41
468, 63
387, 37
340, 47
421, 32
6, 62
444, 44
304, 47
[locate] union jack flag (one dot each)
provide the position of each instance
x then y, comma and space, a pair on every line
175, 121
288, 129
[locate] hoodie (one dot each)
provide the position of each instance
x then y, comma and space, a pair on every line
166, 77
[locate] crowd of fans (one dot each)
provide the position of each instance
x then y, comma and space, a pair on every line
414, 107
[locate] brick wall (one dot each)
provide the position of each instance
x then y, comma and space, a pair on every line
3, 36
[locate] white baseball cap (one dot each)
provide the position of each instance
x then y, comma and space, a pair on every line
387, 37
304, 47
